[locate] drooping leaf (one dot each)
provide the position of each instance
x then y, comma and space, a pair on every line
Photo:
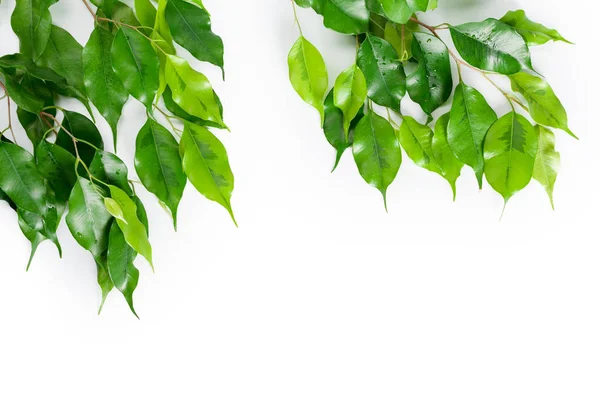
181, 113
206, 165
416, 140
21, 181
533, 32
383, 71
63, 55
103, 86
158, 165
333, 127
547, 161
510, 150
22, 97
470, 119
308, 73
191, 28
192, 91
106, 285
82, 128
57, 165
492, 46
31, 21
349, 94
110, 169
377, 152
450, 166
136, 63
122, 272
431, 84
87, 219
133, 229
545, 108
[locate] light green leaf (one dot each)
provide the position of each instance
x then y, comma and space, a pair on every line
146, 12
545, 108
349, 94
416, 139
547, 161
206, 165
192, 91
510, 150
400, 37
308, 73
133, 229
533, 32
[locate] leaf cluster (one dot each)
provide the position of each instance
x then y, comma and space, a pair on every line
131, 53
398, 57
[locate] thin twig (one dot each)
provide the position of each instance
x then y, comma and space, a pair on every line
10, 127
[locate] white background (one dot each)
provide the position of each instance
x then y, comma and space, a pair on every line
320, 294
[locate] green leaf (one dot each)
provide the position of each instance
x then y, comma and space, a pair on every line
383, 71
450, 166
82, 128
349, 94
547, 161
308, 73
21, 181
533, 32
431, 84
492, 46
158, 165
400, 37
133, 229
206, 165
122, 272
192, 91
88, 220
416, 139
32, 233
377, 152
63, 55
103, 86
114, 209
136, 63
510, 150
545, 108
106, 6
345, 16
23, 98
146, 12
400, 11
180, 112
57, 165
110, 169
333, 127
191, 28
31, 21
25, 64
470, 119
106, 285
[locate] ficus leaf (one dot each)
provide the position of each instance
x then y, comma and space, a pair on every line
377, 152
547, 161
31, 21
81, 128
109, 168
470, 118
545, 108
450, 166
123, 274
308, 73
136, 63
158, 165
206, 165
534, 33
103, 86
510, 150
345, 16
349, 94
416, 140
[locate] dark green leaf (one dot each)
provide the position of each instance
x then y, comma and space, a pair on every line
110, 169
82, 128
122, 272
31, 21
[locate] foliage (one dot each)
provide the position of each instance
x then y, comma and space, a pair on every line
397, 54
129, 53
